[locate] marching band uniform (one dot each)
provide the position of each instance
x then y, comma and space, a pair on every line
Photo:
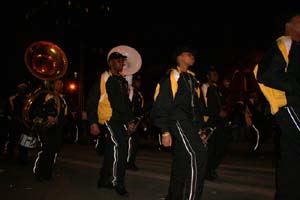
278, 75
51, 135
108, 105
178, 110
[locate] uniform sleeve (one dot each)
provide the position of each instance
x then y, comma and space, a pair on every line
92, 102
162, 105
271, 72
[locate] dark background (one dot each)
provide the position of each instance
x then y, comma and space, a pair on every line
225, 34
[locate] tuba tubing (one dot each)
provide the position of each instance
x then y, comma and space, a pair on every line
46, 61
32, 112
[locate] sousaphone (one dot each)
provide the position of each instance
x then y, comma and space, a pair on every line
133, 62
46, 61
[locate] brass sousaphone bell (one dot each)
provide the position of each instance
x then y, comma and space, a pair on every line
46, 61
133, 62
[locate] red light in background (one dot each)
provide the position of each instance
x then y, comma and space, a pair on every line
72, 86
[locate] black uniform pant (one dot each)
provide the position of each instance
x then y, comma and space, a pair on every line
13, 146
115, 154
216, 148
189, 163
133, 145
51, 142
288, 169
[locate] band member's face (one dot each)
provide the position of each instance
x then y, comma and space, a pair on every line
187, 58
296, 24
58, 85
213, 76
117, 64
292, 28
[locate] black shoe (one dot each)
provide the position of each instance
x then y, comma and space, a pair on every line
104, 184
121, 190
132, 167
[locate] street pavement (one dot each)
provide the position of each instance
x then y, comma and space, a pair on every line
240, 177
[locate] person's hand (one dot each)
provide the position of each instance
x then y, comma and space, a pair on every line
205, 134
166, 139
131, 127
94, 129
51, 120
203, 137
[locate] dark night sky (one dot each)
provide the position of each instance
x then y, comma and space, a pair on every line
223, 35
